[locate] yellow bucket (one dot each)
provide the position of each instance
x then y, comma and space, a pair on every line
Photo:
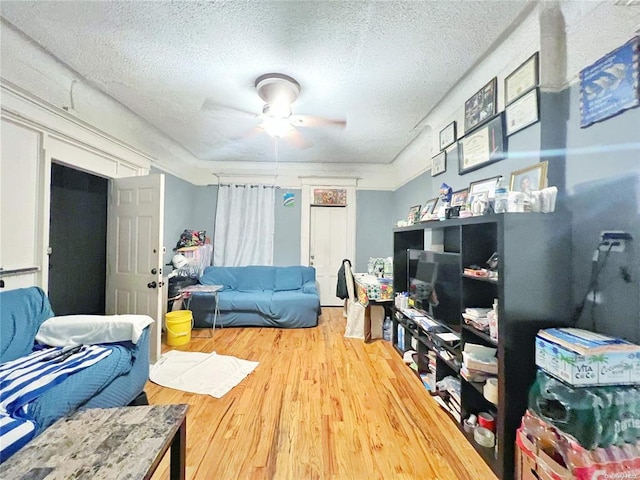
179, 324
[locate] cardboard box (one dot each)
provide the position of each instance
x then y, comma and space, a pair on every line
582, 358
531, 463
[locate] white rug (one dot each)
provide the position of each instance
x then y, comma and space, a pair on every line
206, 373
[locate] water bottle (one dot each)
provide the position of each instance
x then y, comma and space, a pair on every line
386, 329
501, 196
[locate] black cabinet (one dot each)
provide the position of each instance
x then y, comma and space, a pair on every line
533, 290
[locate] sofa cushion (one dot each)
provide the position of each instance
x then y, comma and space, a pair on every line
22, 311
255, 278
246, 301
288, 278
219, 276
308, 274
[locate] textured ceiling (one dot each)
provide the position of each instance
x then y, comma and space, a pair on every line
380, 65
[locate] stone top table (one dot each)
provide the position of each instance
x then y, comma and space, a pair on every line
103, 444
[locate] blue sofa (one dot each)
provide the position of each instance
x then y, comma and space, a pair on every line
114, 381
259, 296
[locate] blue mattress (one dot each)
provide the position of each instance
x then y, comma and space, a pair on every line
109, 383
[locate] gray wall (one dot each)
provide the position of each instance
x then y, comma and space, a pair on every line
286, 242
415, 192
597, 172
603, 193
374, 236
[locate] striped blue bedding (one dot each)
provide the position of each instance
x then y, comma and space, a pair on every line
25, 379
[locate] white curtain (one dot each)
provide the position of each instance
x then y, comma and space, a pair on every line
244, 225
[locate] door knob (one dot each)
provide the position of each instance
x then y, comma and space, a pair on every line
152, 285
154, 271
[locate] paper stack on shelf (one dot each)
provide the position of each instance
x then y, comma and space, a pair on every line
478, 362
477, 317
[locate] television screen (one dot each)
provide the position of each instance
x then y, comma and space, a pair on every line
434, 283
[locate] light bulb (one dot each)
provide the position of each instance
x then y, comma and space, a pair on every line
277, 127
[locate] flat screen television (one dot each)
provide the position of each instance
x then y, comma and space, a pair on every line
434, 281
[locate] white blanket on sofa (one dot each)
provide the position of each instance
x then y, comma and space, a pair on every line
196, 372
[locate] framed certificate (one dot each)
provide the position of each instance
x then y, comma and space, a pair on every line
439, 164
482, 147
523, 112
448, 135
521, 80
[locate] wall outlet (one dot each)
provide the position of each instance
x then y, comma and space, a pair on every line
614, 240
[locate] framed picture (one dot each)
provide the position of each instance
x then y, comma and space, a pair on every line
521, 80
448, 135
459, 197
480, 107
530, 178
610, 85
428, 209
523, 112
486, 185
482, 147
439, 164
414, 213
334, 197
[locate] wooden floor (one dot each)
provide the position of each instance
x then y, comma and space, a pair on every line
319, 406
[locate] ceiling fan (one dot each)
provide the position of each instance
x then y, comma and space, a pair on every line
280, 91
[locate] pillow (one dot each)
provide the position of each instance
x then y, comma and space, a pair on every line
71, 330
288, 278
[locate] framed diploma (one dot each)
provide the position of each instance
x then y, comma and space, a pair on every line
448, 135
439, 164
521, 80
523, 112
482, 147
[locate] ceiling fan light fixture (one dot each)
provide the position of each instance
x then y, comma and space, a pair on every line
276, 110
277, 88
277, 127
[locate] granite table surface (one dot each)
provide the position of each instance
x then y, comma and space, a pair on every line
99, 444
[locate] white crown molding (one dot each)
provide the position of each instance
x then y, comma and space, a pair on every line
36, 112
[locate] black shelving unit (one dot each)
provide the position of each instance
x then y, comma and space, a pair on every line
532, 288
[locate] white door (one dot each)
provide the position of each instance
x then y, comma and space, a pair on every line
134, 250
327, 248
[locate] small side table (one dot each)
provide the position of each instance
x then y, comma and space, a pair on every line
187, 292
105, 443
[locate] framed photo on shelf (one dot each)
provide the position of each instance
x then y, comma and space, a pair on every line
523, 112
485, 185
521, 80
448, 135
482, 147
414, 213
428, 208
531, 178
439, 164
460, 197
481, 106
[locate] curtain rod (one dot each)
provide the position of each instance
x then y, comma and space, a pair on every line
277, 187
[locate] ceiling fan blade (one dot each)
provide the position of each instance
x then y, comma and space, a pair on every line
312, 121
297, 140
210, 106
254, 132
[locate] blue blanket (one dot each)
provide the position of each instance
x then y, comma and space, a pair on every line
25, 379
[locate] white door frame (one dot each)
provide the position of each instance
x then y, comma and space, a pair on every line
308, 184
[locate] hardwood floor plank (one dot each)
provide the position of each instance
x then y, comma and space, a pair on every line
318, 406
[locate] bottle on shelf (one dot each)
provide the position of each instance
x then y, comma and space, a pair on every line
501, 196
386, 328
